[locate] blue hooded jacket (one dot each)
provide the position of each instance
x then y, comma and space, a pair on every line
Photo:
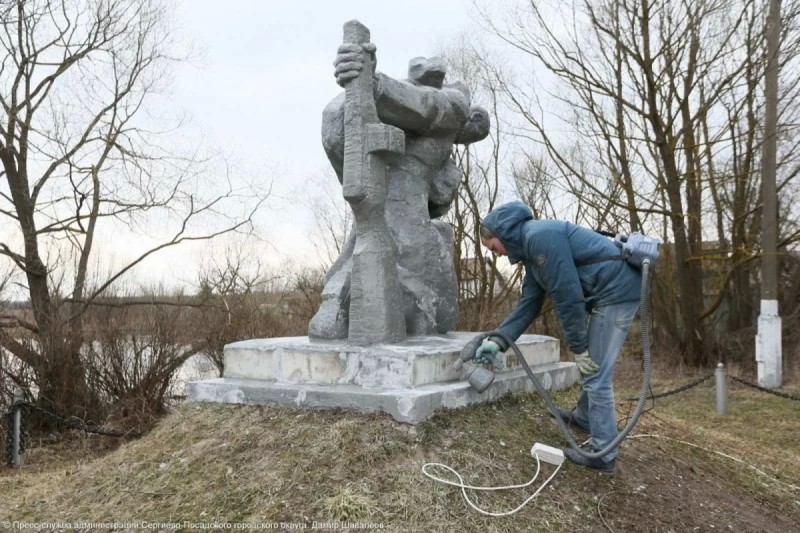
549, 250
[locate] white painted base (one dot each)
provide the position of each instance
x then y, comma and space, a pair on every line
412, 363
408, 380
768, 345
411, 405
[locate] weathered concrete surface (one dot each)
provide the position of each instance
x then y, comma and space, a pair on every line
414, 362
404, 405
409, 380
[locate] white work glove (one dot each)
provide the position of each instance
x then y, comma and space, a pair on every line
585, 364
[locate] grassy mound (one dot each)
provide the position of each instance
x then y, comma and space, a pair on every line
233, 464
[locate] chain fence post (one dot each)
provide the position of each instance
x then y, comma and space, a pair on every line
722, 389
16, 456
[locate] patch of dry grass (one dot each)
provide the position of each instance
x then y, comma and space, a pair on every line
759, 433
266, 464
226, 463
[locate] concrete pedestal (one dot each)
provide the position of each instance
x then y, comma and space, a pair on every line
408, 380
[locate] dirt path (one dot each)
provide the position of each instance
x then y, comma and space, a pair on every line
658, 488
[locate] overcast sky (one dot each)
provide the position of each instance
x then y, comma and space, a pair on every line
265, 74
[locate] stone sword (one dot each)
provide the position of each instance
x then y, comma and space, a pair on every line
376, 300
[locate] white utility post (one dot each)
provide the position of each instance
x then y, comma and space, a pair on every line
768, 340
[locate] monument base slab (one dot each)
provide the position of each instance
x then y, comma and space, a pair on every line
409, 380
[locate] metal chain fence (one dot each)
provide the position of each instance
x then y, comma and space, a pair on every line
709, 376
73, 422
686, 387
77, 423
764, 389
17, 405
682, 388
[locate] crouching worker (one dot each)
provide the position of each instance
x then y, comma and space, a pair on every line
571, 264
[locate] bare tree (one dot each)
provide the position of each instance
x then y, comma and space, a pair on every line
479, 192
78, 151
651, 113
333, 219
235, 299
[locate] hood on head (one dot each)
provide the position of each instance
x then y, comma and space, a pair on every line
506, 223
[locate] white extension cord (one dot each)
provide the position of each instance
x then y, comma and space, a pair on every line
540, 452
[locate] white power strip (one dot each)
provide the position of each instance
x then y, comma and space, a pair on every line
548, 454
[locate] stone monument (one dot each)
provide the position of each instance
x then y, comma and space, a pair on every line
390, 143
380, 340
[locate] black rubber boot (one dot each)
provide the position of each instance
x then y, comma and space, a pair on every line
569, 420
597, 464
